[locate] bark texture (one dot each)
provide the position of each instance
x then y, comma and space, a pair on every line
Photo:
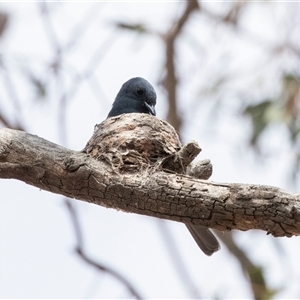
135, 163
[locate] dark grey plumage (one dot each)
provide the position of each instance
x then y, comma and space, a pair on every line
138, 96
204, 238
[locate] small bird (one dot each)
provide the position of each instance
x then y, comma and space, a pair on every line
137, 95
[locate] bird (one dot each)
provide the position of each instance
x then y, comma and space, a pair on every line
137, 95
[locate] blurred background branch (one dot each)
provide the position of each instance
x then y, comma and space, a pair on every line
82, 253
171, 80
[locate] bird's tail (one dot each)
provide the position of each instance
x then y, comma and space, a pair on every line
204, 238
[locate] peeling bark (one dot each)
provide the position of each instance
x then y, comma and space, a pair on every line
145, 177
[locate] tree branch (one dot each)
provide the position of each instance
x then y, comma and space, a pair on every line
110, 177
255, 272
170, 80
99, 266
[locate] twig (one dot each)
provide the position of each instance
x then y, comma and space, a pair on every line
177, 261
170, 79
98, 266
255, 274
7, 123
12, 92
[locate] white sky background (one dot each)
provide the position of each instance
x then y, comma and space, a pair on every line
37, 258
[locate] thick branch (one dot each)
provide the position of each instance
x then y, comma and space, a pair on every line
176, 197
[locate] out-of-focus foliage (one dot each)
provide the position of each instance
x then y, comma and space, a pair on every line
282, 109
260, 117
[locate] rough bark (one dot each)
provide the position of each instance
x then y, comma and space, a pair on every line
130, 165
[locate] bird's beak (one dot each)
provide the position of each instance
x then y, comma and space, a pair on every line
151, 109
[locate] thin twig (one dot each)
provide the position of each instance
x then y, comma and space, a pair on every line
7, 123
98, 266
171, 79
12, 92
255, 274
177, 260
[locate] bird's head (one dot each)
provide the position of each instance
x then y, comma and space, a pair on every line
136, 95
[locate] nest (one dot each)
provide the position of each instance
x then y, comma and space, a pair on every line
132, 142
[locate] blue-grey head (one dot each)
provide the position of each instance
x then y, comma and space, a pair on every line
136, 95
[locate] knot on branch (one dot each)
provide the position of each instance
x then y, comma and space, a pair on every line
201, 169
131, 142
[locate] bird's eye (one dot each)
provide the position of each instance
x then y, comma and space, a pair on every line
140, 91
